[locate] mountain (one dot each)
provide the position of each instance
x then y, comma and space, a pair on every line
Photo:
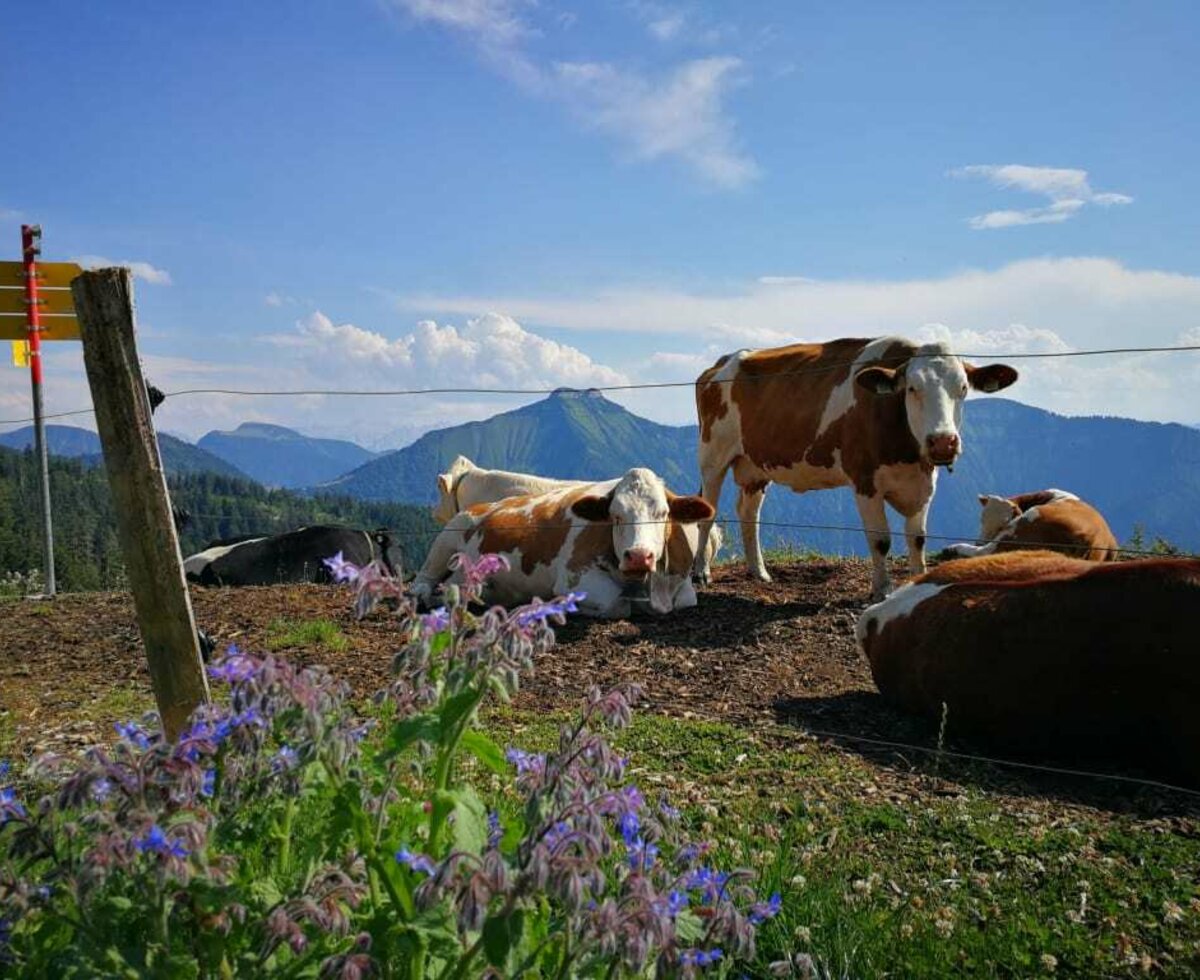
571, 434
1143, 474
282, 457
179, 457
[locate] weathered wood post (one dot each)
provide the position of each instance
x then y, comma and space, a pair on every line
104, 307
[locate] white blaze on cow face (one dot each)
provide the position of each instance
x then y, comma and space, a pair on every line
640, 511
935, 384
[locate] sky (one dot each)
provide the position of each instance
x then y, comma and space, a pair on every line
376, 194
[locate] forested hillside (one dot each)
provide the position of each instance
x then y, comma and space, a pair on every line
87, 555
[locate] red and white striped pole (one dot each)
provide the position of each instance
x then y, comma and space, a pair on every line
31, 248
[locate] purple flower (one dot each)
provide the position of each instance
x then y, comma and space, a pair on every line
642, 855
495, 831
418, 862
155, 841
761, 911
525, 761
700, 957
668, 811
133, 734
285, 760
208, 784
629, 826
10, 808
340, 569
545, 610
476, 572
234, 667
435, 621
101, 790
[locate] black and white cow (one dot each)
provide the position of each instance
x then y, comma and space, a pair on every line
294, 556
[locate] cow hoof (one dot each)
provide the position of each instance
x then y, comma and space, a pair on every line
761, 574
701, 579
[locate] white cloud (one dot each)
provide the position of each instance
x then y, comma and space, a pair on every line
276, 300
678, 113
141, 270
1068, 190
681, 115
666, 28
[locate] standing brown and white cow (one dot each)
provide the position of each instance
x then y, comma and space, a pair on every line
877, 415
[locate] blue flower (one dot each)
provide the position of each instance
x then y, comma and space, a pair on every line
525, 761
285, 760
544, 610
675, 902
234, 667
133, 734
208, 784
495, 831
155, 841
418, 862
101, 790
340, 569
9, 807
761, 911
642, 855
629, 826
668, 811
435, 621
5, 768
699, 957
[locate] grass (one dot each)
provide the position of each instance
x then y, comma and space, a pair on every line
321, 634
878, 882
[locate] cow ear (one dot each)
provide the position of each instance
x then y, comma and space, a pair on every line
990, 378
983, 499
444, 482
879, 380
592, 508
688, 510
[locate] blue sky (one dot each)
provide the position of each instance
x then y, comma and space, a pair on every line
397, 192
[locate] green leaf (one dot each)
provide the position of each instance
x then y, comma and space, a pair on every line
457, 708
485, 750
418, 728
469, 818
501, 934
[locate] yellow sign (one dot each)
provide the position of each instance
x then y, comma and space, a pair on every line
15, 327
49, 274
21, 353
51, 302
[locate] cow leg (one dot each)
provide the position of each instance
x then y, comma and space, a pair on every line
750, 500
713, 480
879, 542
437, 565
914, 535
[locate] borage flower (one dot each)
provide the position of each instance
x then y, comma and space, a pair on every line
132, 733
340, 569
477, 571
156, 842
761, 911
418, 862
556, 609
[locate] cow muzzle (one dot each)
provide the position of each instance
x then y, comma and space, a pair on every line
943, 449
637, 563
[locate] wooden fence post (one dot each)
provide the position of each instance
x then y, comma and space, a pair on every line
104, 307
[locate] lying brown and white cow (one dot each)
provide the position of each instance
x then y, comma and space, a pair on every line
1039, 653
877, 415
1049, 520
465, 485
597, 538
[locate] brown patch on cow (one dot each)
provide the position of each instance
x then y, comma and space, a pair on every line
594, 542
689, 509
537, 526
1023, 501
1068, 526
679, 554
712, 398
1010, 566
1043, 655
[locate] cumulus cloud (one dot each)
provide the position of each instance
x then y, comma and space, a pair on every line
141, 270
1068, 191
679, 113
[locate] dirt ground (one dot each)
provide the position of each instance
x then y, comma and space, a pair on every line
777, 656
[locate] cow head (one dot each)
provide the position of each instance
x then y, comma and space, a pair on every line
640, 509
997, 512
447, 485
934, 383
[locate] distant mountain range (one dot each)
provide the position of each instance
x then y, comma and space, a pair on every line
179, 457
279, 457
1136, 473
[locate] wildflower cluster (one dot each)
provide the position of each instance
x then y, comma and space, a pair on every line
273, 837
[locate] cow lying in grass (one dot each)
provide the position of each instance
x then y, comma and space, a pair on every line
597, 538
465, 485
1041, 654
1050, 520
295, 556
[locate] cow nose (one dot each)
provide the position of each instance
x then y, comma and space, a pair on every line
942, 446
638, 560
